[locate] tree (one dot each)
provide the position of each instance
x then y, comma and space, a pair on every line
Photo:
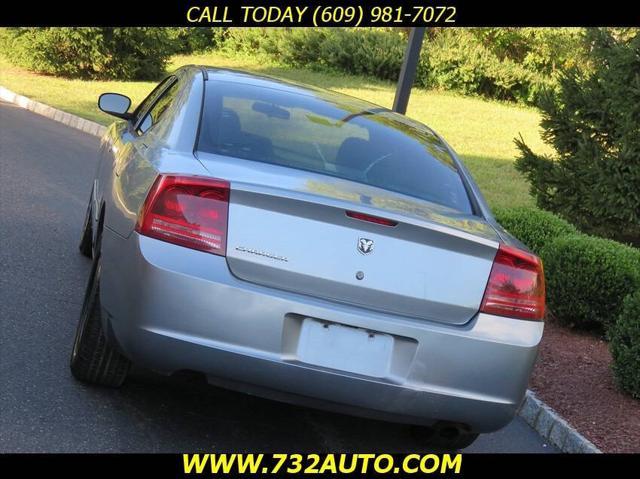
593, 123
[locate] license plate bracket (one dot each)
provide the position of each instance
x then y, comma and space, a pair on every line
345, 348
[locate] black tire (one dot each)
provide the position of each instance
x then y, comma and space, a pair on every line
86, 238
93, 359
445, 438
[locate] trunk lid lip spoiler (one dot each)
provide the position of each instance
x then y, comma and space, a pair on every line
346, 205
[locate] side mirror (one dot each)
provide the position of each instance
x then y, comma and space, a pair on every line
115, 104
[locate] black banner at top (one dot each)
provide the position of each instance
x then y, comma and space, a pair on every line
317, 13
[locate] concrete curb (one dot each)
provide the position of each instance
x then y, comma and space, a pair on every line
68, 119
537, 414
552, 427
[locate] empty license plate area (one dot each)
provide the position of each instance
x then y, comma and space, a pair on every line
345, 348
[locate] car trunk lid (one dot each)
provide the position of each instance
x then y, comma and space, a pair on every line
290, 230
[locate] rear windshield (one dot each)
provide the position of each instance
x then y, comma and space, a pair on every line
329, 135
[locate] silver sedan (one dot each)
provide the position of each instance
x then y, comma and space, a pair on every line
308, 247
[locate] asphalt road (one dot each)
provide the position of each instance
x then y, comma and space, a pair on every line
46, 170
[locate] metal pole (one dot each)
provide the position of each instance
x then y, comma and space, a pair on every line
408, 70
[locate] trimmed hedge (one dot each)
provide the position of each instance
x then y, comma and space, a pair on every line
533, 226
624, 344
587, 279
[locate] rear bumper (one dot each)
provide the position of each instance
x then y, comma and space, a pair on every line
172, 309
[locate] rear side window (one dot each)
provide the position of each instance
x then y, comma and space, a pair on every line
159, 107
351, 140
146, 103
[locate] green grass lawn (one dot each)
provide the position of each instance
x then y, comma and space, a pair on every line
480, 131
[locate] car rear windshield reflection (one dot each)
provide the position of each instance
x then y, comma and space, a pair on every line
328, 134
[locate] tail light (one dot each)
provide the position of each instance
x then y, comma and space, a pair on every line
189, 211
516, 285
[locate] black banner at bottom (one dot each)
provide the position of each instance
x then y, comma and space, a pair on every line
314, 465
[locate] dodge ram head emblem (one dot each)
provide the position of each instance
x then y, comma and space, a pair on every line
365, 246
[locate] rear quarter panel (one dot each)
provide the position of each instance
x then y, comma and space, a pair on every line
130, 163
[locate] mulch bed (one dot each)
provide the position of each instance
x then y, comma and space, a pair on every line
573, 375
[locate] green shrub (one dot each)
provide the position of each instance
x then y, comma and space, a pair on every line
546, 51
367, 52
534, 227
587, 278
503, 63
361, 51
90, 52
460, 61
298, 47
187, 40
593, 125
514, 64
624, 344
251, 41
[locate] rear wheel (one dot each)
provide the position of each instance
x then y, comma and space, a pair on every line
93, 359
86, 238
